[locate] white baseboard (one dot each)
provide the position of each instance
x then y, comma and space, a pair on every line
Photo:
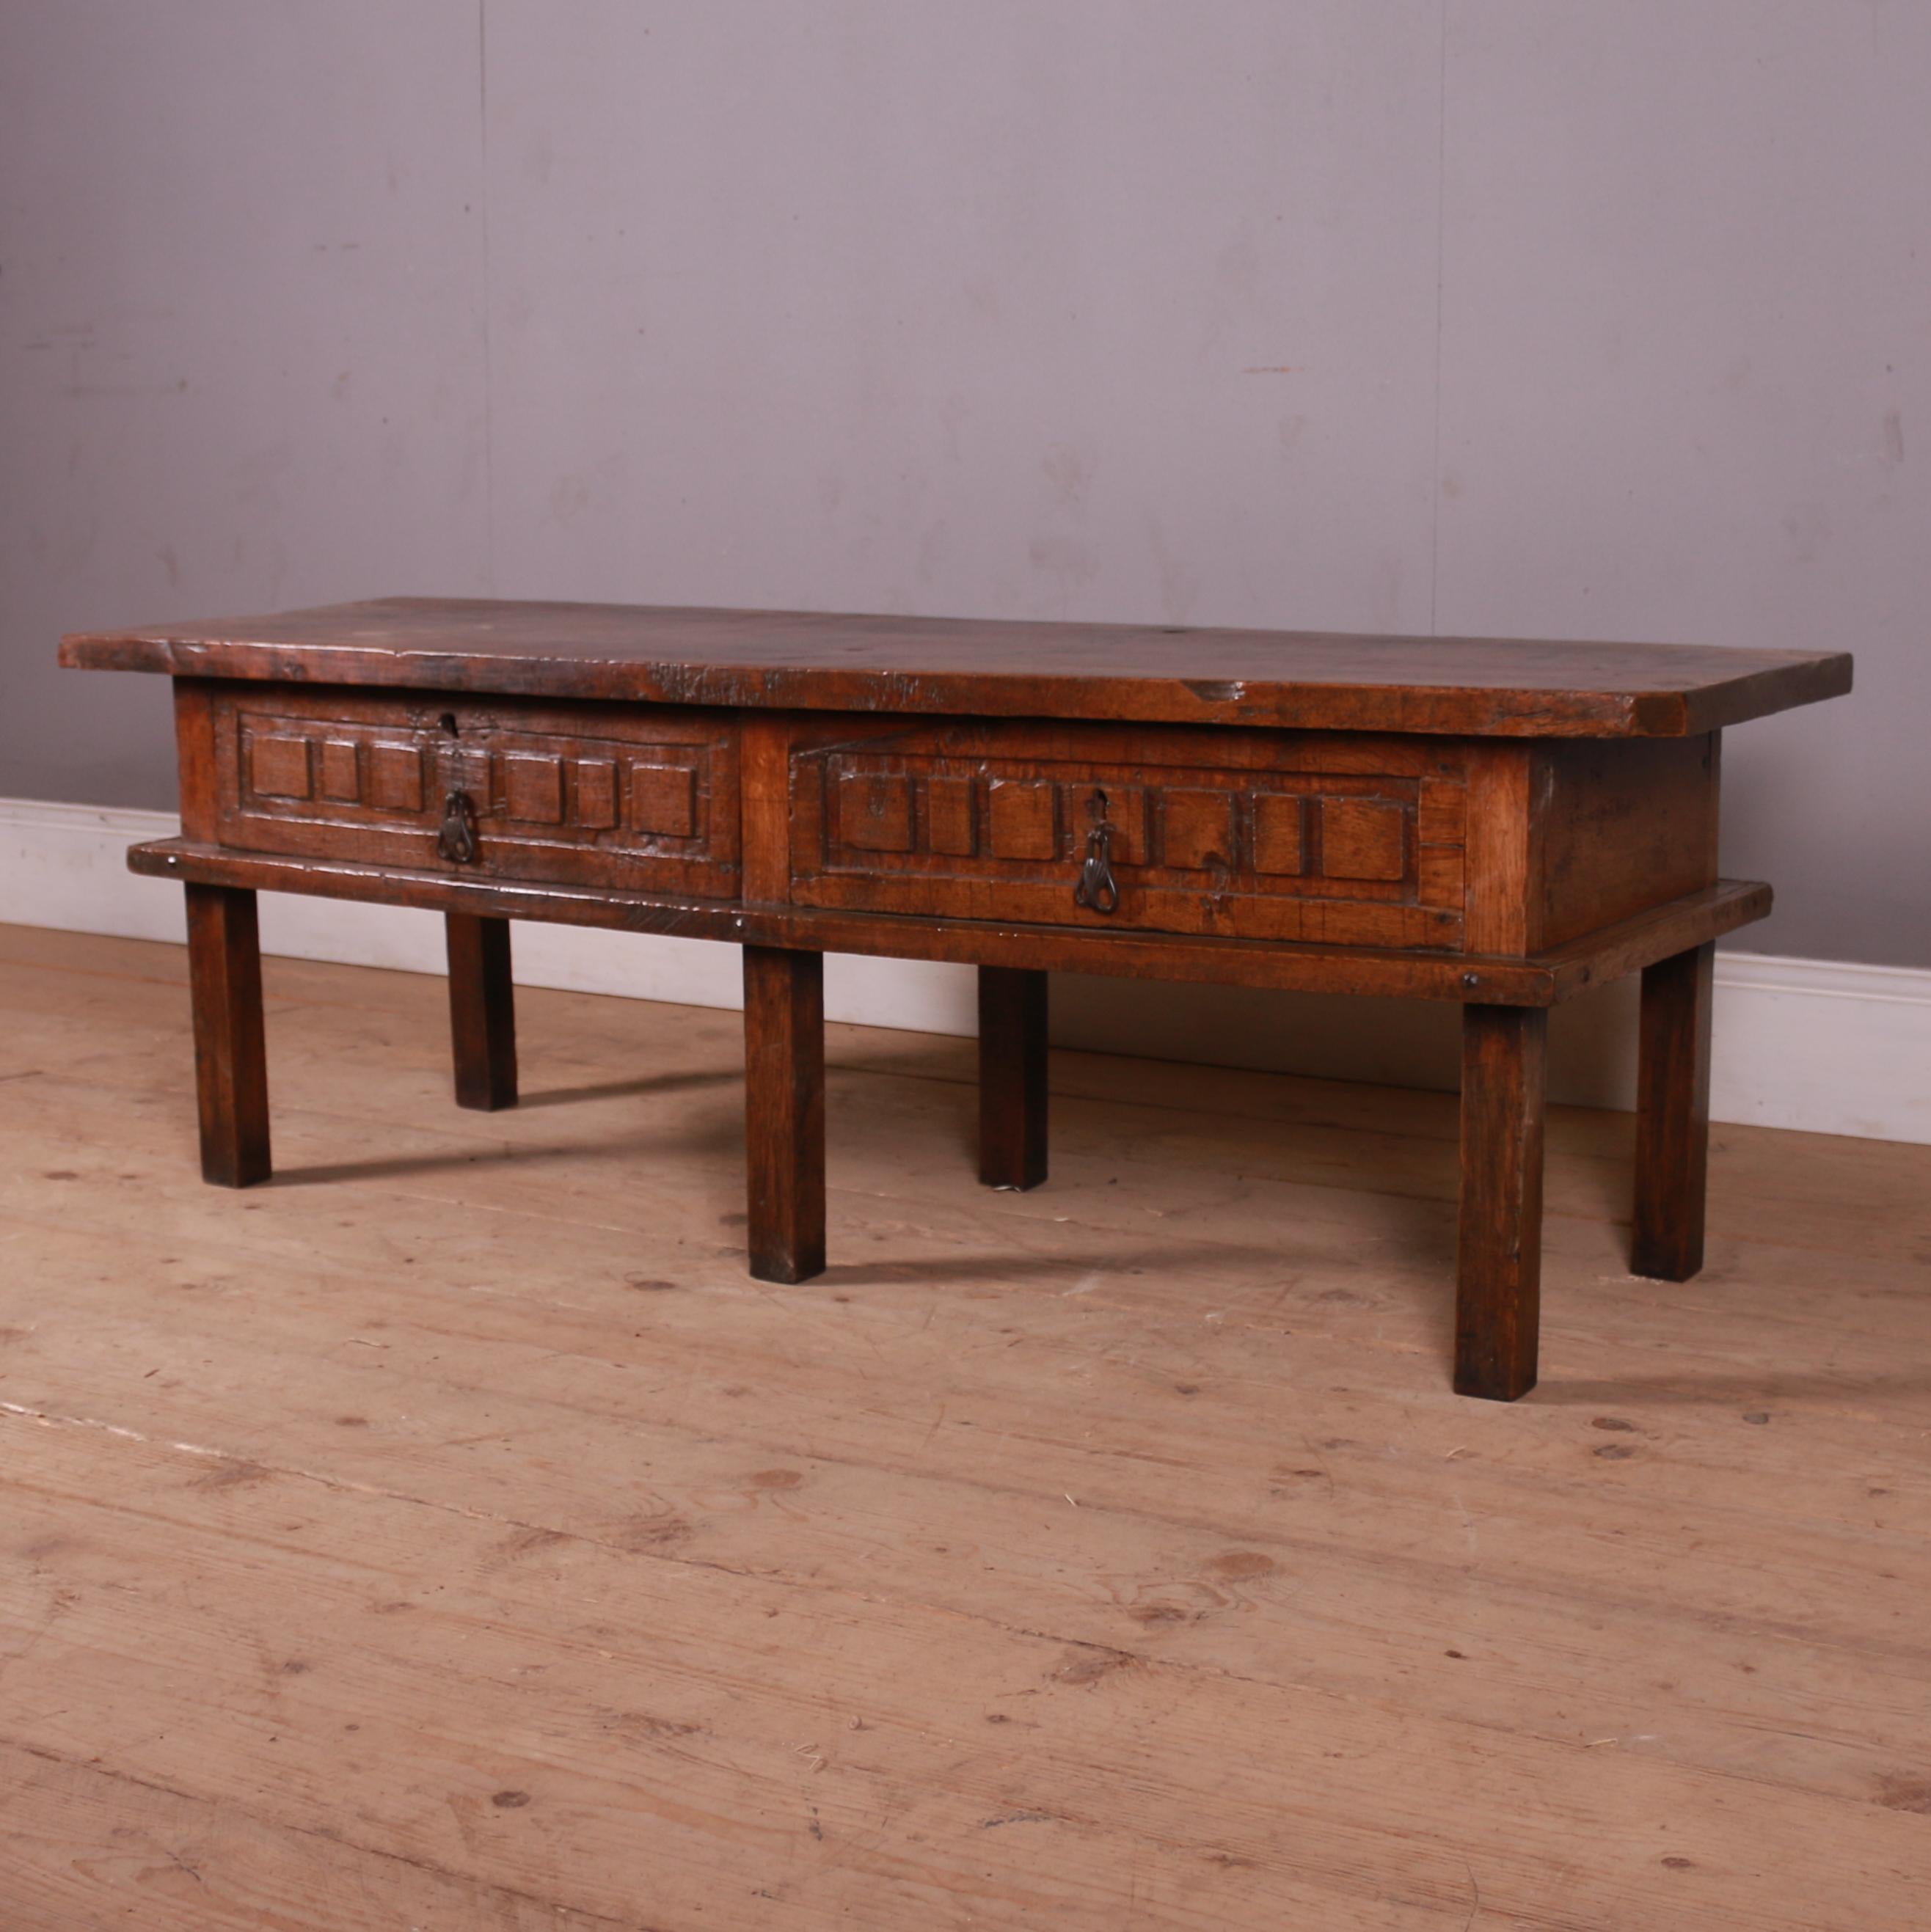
1813, 1044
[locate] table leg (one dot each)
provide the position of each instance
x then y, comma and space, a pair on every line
784, 1103
224, 965
482, 1011
1673, 1116
1012, 1076
1498, 1284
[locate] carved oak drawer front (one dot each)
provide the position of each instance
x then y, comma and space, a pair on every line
1337, 838
638, 798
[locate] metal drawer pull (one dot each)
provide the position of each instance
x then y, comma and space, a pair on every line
456, 840
1096, 891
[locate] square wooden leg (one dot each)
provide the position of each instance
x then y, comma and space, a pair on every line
482, 1011
1673, 1116
1012, 1076
784, 1102
1499, 1262
224, 963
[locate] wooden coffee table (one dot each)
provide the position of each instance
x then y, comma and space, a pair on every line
1503, 823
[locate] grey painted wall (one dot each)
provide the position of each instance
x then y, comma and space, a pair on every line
1564, 317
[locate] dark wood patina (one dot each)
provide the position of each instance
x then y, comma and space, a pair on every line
1499, 822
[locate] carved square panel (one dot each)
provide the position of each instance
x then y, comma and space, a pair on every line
875, 811
341, 770
948, 816
1123, 808
1362, 838
1199, 830
533, 787
464, 768
597, 793
395, 778
1020, 819
278, 767
1280, 838
663, 800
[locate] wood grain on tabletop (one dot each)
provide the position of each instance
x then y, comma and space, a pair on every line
1313, 680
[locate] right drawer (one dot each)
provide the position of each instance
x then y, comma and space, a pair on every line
1329, 837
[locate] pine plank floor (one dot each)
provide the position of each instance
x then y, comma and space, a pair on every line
450, 1535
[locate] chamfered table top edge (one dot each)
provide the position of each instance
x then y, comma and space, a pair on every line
823, 661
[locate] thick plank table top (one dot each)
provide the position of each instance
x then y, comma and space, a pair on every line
816, 661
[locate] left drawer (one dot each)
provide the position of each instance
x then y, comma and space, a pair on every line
641, 798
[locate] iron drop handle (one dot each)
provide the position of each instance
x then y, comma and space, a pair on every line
1097, 890
456, 838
